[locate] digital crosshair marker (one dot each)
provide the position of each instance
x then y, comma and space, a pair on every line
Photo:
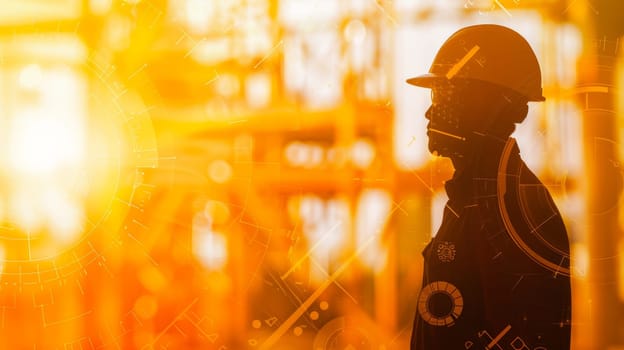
440, 303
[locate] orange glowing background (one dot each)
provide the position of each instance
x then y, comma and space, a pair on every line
254, 174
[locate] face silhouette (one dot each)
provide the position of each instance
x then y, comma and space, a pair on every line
450, 119
460, 111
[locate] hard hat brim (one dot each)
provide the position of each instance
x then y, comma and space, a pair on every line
430, 80
424, 80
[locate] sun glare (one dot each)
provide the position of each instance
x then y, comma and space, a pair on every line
46, 136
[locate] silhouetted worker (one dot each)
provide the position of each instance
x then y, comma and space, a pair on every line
496, 274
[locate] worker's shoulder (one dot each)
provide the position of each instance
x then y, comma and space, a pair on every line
537, 209
531, 191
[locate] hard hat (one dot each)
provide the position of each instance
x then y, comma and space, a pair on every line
490, 53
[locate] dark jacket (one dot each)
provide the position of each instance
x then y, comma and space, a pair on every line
496, 275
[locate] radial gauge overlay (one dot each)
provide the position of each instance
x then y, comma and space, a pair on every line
346, 333
534, 238
119, 144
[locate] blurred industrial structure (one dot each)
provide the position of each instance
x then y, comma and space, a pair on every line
198, 174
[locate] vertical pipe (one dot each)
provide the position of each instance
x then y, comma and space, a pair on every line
386, 288
603, 186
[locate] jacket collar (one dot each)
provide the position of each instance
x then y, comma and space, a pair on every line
478, 177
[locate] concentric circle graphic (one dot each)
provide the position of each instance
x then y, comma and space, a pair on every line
345, 333
440, 303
